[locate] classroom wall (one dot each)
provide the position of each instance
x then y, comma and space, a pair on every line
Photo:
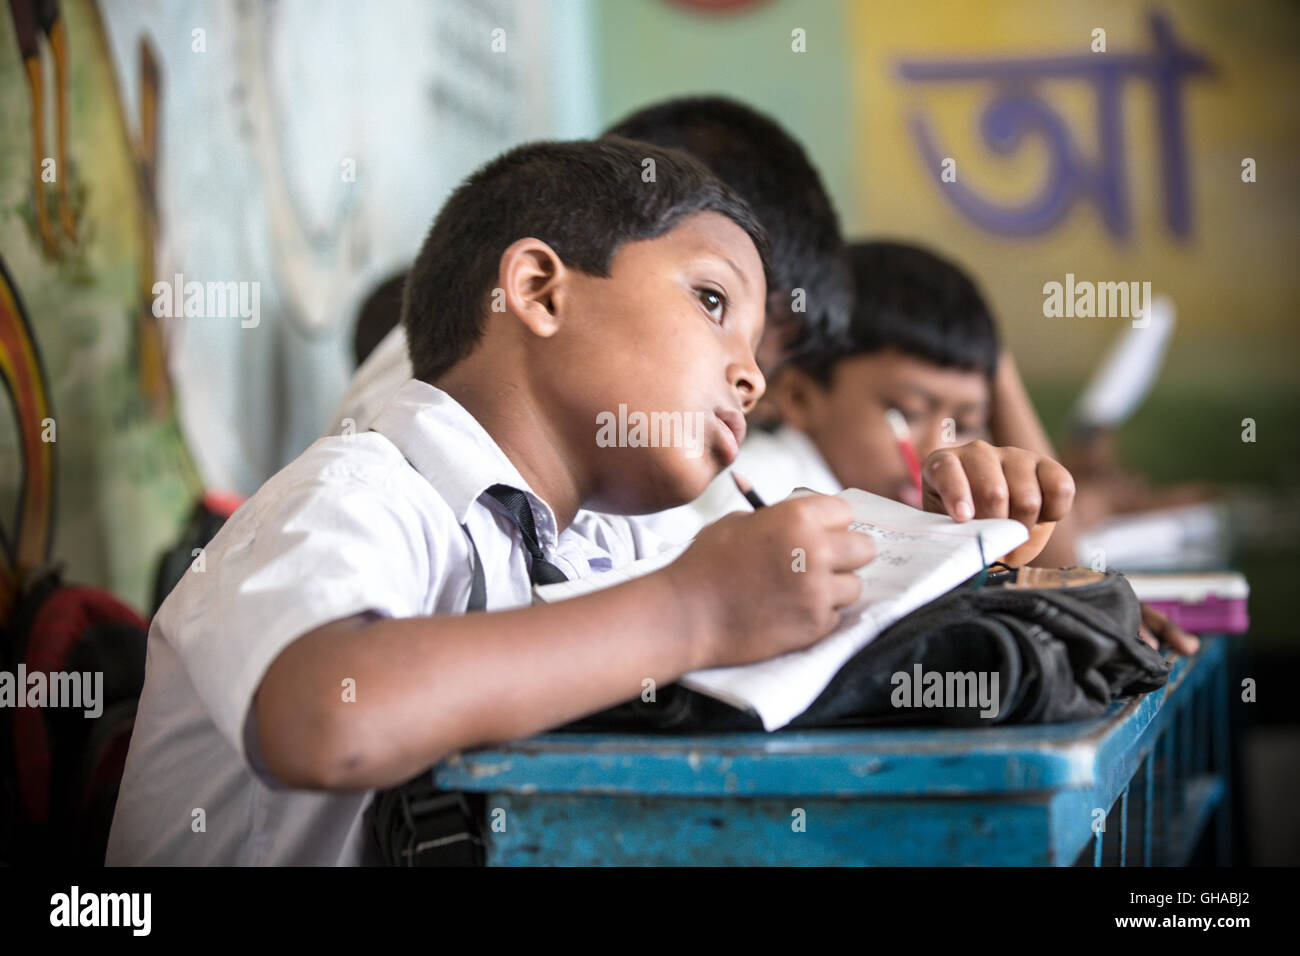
1157, 195
648, 50
307, 147
297, 148
858, 98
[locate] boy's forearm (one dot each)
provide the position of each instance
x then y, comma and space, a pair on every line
428, 687
1014, 421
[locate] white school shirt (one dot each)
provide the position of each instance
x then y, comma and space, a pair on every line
775, 463
370, 522
376, 380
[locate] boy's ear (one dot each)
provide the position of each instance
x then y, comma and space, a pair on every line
799, 398
531, 285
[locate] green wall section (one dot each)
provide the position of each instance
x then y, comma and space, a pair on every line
647, 50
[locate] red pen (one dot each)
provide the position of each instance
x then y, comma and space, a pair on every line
903, 435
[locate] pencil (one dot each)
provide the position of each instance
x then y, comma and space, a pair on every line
748, 491
903, 435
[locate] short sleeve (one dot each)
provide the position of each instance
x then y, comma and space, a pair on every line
302, 557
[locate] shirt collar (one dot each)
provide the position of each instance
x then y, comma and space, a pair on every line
453, 452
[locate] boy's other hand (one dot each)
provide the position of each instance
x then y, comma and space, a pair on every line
773, 581
1158, 629
979, 480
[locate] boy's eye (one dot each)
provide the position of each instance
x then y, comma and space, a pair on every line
713, 303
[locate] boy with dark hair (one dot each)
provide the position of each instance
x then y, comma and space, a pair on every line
535, 191
921, 341
911, 300
322, 650
922, 344
810, 294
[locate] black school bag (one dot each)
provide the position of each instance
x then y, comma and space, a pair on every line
1063, 645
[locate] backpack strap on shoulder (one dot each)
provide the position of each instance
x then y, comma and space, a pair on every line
417, 824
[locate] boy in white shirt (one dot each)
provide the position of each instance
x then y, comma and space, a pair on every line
319, 649
322, 651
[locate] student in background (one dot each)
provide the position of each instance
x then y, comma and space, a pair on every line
377, 316
921, 345
920, 342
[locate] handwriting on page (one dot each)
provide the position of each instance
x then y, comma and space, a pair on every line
884, 534
902, 559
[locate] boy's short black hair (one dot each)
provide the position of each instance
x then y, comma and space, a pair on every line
377, 316
770, 171
912, 300
582, 198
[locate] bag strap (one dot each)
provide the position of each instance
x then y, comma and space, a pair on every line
417, 824
478, 587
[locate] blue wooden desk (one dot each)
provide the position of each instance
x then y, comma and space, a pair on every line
1136, 786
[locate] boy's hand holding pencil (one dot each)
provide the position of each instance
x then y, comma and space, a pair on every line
773, 581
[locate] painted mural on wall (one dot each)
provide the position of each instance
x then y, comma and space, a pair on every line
305, 148
276, 160
96, 473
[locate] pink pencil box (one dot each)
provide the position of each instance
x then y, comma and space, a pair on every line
1201, 603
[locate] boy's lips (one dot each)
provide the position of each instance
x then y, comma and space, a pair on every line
733, 431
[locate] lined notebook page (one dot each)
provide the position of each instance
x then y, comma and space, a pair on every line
919, 556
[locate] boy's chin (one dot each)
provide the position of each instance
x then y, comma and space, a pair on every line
658, 489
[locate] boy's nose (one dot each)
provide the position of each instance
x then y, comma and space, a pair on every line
748, 383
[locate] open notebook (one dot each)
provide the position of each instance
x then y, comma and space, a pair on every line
919, 556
